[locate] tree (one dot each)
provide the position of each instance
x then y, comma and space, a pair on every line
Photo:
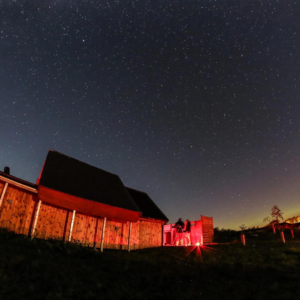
243, 227
275, 214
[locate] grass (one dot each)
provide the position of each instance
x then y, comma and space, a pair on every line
264, 268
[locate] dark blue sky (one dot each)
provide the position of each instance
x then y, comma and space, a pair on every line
194, 102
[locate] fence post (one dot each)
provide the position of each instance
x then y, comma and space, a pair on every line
129, 236
36, 218
282, 236
102, 236
72, 224
3, 193
243, 240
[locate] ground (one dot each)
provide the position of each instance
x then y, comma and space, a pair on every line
264, 268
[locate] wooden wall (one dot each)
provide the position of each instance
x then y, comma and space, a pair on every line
150, 234
208, 229
53, 222
1, 187
17, 209
84, 229
87, 230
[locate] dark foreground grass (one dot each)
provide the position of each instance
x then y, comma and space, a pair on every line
264, 269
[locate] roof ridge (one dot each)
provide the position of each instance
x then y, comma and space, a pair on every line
152, 201
136, 190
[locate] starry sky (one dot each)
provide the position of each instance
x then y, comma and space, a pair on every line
194, 102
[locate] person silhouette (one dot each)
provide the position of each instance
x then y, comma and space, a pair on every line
179, 230
187, 231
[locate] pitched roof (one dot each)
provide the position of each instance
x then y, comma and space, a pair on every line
147, 206
71, 176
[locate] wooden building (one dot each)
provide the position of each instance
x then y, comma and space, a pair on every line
17, 203
202, 232
77, 202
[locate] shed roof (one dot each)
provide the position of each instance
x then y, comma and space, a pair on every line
19, 180
71, 176
146, 205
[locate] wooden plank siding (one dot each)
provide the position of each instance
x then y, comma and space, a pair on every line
134, 239
87, 230
17, 209
84, 229
1, 187
112, 235
207, 229
150, 234
52, 222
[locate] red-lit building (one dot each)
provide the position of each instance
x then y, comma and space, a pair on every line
202, 232
77, 202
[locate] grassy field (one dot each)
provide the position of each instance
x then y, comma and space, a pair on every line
264, 268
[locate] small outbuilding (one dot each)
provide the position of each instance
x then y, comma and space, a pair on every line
201, 232
74, 201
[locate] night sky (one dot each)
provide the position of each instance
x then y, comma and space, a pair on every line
194, 102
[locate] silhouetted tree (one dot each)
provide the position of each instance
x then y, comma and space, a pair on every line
243, 227
275, 214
